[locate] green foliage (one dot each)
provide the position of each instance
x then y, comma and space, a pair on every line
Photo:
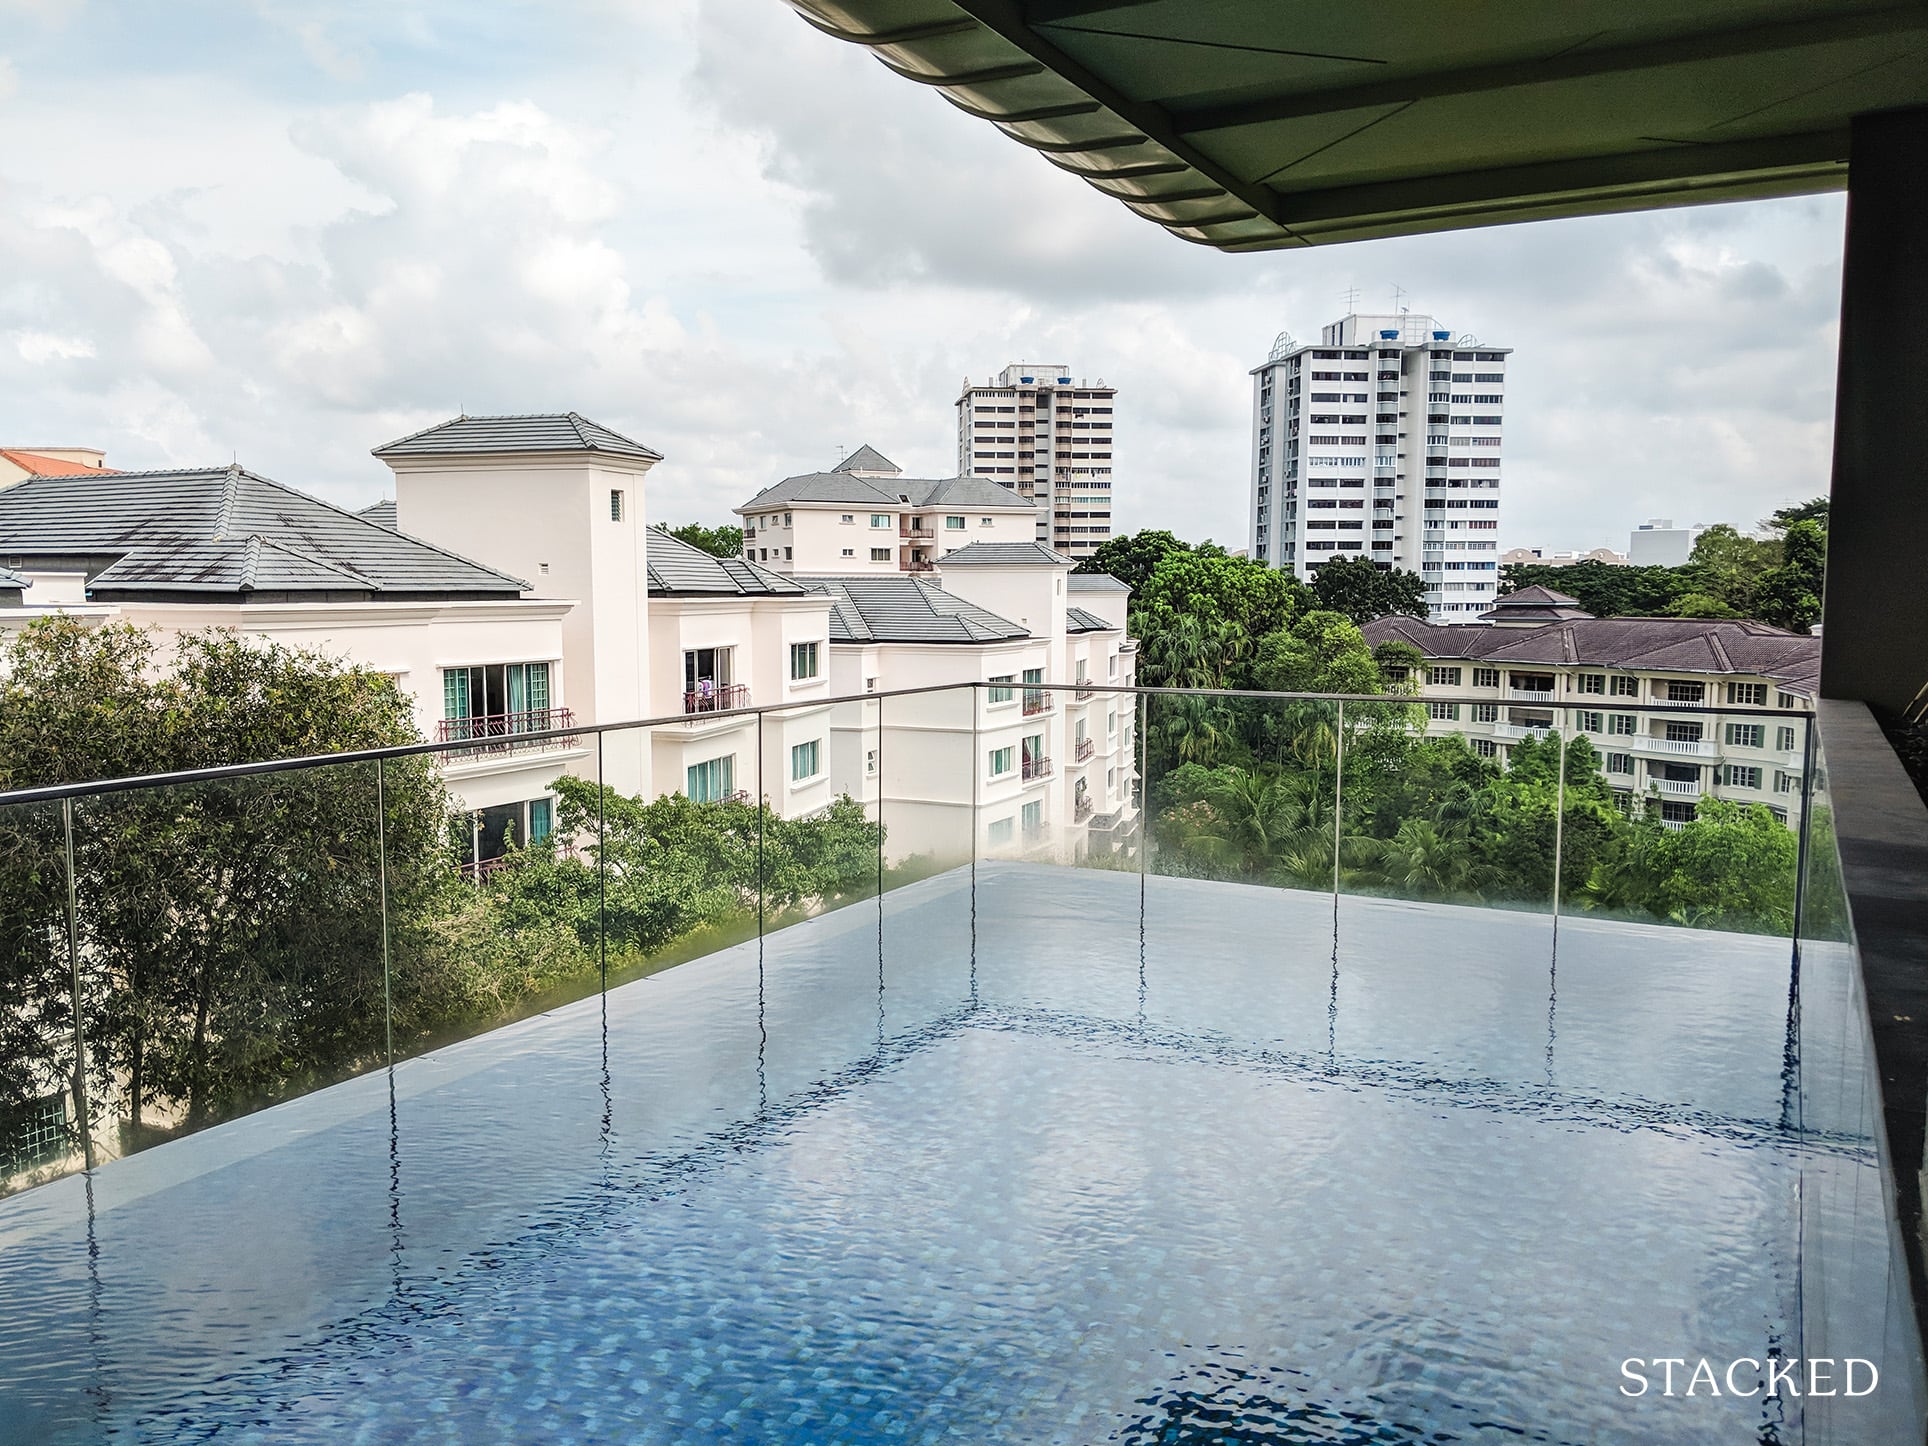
1789, 596
725, 541
1363, 591
1322, 652
1814, 510
1603, 589
1700, 605
1254, 598
1133, 557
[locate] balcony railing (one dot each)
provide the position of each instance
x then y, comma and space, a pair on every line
1081, 810
1531, 695
500, 733
1036, 768
1036, 701
717, 699
1685, 747
1680, 787
1083, 693
1083, 749
1521, 730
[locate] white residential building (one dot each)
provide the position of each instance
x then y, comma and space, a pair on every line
1047, 436
1658, 543
864, 518
1383, 440
1539, 662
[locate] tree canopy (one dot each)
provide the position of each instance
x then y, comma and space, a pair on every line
724, 541
1362, 590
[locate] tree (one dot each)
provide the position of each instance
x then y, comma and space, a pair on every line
1700, 605
1256, 598
1363, 591
1604, 589
1789, 596
724, 541
1815, 510
1133, 557
1322, 652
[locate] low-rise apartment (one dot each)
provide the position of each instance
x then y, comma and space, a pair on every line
1539, 662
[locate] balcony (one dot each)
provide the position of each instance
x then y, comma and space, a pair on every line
1082, 750
1683, 747
499, 734
1036, 701
447, 1200
1083, 693
1531, 695
714, 698
1680, 787
1036, 768
1522, 730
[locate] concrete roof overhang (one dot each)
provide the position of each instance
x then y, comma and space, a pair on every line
1250, 124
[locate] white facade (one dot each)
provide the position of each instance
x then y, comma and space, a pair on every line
1383, 441
1047, 436
1658, 543
855, 538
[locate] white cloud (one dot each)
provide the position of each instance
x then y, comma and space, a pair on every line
39, 347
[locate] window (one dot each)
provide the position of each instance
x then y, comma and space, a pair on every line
1111, 725
1620, 763
1590, 723
1486, 712
850, 552
1486, 748
615, 504
870, 762
848, 519
880, 519
542, 819
954, 524
1680, 692
711, 780
1623, 687
1444, 712
494, 699
1443, 678
985, 521
806, 760
1486, 677
786, 554
880, 554
1754, 693
1785, 782
1784, 739
803, 661
1001, 687
1590, 683
1003, 760
1000, 830
1740, 775
1031, 818
1786, 700
1683, 732
1621, 723
786, 519
1746, 735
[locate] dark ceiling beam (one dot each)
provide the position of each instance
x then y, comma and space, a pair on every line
1007, 18
1575, 65
1047, 12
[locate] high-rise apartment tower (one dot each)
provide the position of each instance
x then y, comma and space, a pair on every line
1382, 440
1046, 436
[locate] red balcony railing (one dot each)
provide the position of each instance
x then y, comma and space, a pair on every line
1083, 749
709, 698
501, 732
1036, 700
1036, 768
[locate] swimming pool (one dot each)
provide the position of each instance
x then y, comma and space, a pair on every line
1018, 1162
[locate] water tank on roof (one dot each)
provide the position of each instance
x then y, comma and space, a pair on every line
1442, 336
1390, 334
1064, 381
1027, 379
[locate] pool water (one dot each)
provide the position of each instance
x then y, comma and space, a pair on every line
1017, 1164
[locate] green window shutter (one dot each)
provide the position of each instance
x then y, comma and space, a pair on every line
455, 692
538, 687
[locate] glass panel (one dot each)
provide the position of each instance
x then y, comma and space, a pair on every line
929, 745
42, 1116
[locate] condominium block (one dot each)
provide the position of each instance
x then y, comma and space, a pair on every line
1382, 440
1035, 429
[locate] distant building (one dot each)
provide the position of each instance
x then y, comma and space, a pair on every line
1538, 557
1035, 430
1538, 661
864, 517
1658, 543
1383, 440
17, 464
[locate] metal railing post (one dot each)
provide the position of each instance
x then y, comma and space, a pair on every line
83, 1115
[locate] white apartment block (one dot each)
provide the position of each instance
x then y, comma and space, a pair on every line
1383, 440
1047, 436
866, 518
1541, 663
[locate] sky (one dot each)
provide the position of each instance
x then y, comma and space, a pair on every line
288, 231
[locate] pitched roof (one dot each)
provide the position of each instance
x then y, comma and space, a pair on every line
38, 464
1006, 554
1676, 645
10, 579
381, 513
866, 492
1077, 620
906, 609
1534, 604
512, 435
1520, 596
678, 569
1097, 582
226, 530
867, 459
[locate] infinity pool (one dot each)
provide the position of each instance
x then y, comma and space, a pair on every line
1012, 1164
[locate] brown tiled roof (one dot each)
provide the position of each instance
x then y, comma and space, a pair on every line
1674, 645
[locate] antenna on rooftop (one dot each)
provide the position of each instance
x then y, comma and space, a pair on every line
1398, 298
1351, 294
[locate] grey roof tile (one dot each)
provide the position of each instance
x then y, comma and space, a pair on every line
906, 609
1077, 620
1096, 582
867, 459
678, 569
512, 435
10, 579
1006, 554
382, 514
866, 492
1683, 645
215, 529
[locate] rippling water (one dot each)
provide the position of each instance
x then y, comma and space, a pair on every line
1237, 1188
